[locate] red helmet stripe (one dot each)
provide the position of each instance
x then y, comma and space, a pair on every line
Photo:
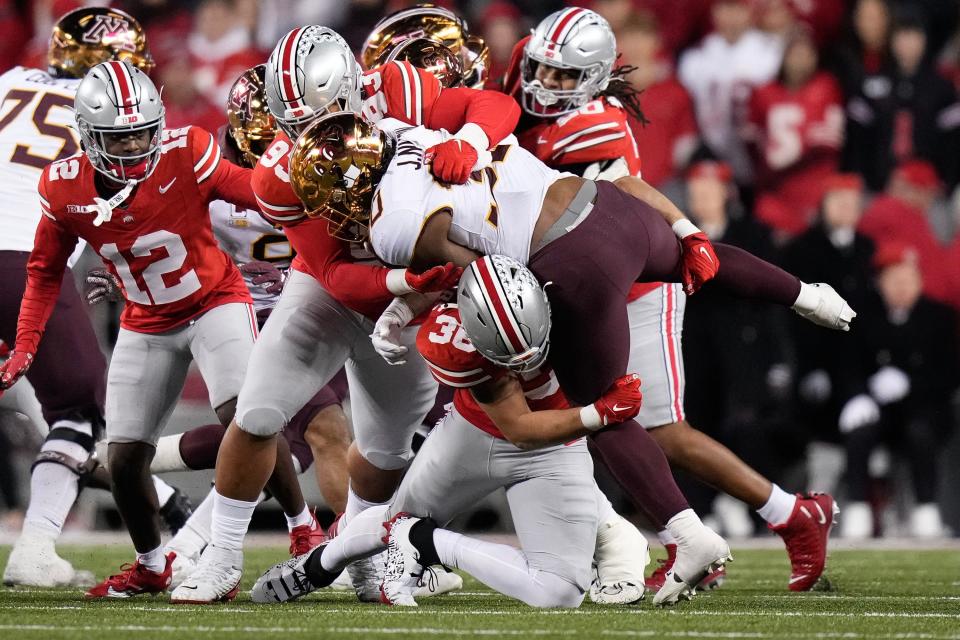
557, 33
122, 87
497, 301
288, 68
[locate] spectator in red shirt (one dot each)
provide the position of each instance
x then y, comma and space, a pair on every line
900, 215
221, 48
796, 126
501, 24
669, 139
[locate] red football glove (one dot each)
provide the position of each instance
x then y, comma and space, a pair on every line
265, 275
700, 262
14, 368
403, 281
620, 403
453, 161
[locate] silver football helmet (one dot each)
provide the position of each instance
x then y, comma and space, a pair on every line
310, 72
576, 41
505, 313
115, 97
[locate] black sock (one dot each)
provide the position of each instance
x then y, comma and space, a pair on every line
316, 574
421, 536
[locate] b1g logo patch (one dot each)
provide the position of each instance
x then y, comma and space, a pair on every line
110, 29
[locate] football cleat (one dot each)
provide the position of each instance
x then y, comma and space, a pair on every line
655, 580
184, 563
176, 511
404, 571
34, 562
285, 581
436, 581
344, 583
805, 534
306, 537
133, 580
366, 575
216, 578
704, 553
713, 580
619, 560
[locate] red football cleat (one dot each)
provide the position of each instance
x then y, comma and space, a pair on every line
306, 537
713, 580
806, 534
133, 580
655, 581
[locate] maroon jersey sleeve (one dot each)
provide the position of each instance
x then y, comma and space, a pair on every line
51, 249
450, 356
218, 178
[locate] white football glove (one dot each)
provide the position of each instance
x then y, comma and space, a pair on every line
386, 332
890, 384
820, 304
859, 411
607, 170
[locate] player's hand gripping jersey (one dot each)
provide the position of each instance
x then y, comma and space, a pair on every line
455, 362
36, 128
161, 245
493, 213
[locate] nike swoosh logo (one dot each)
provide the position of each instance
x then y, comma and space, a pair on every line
798, 578
618, 407
704, 251
164, 189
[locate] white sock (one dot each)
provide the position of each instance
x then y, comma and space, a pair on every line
53, 487
195, 534
505, 569
356, 505
779, 506
665, 537
167, 457
302, 518
153, 560
682, 525
231, 518
361, 538
164, 491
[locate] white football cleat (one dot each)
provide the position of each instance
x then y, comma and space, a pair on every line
620, 557
285, 581
34, 562
216, 578
404, 571
366, 575
698, 555
184, 564
436, 581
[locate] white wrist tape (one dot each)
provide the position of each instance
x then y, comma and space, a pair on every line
808, 299
397, 282
590, 418
683, 228
473, 135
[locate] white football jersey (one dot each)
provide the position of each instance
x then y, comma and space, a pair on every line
245, 236
494, 212
36, 128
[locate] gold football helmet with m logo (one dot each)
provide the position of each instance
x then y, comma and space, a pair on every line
85, 37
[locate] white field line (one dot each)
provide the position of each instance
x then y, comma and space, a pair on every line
414, 631
391, 611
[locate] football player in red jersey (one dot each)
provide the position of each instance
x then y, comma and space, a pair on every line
37, 129
574, 124
512, 427
138, 195
336, 289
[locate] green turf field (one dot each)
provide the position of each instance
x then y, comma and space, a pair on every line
877, 595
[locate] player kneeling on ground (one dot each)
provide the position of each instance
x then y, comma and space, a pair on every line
510, 427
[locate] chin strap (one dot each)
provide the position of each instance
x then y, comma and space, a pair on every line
104, 208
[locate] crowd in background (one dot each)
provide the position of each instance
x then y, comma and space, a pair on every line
823, 135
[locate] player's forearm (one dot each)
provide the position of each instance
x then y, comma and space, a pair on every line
538, 429
356, 284
495, 113
39, 300
747, 276
644, 192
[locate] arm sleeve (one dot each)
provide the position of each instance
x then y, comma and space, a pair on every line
330, 262
217, 178
495, 113
52, 247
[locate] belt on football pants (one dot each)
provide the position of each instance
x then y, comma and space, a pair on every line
579, 208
